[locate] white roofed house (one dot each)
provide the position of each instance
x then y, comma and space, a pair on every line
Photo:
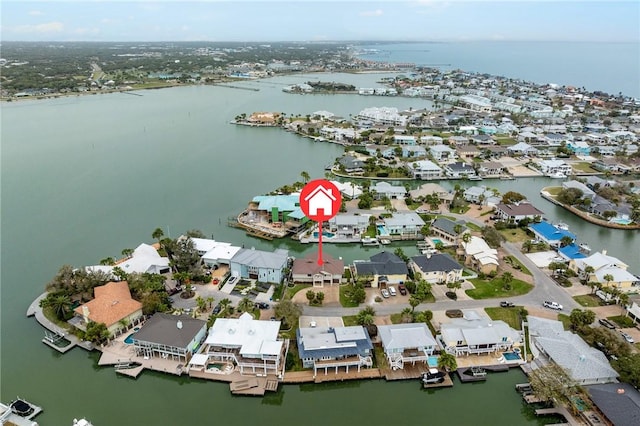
260, 265
476, 335
442, 152
406, 343
522, 148
555, 167
331, 348
424, 170
477, 194
145, 258
479, 256
385, 189
404, 225
252, 345
607, 270
346, 225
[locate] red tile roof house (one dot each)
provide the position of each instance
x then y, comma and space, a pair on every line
112, 306
307, 270
516, 212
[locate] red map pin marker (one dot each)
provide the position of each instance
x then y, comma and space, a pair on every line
320, 200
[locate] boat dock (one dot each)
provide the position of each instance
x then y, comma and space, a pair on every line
447, 383
479, 373
254, 386
19, 413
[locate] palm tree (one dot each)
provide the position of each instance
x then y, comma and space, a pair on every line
454, 286
107, 261
305, 176
527, 246
623, 299
608, 278
507, 278
210, 301
127, 252
466, 237
61, 305
447, 362
587, 272
157, 234
245, 305
202, 304
224, 304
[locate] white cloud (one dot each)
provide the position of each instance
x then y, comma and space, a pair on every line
49, 27
377, 12
35, 13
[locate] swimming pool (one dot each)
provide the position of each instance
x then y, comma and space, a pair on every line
436, 240
511, 356
382, 230
432, 361
129, 339
324, 234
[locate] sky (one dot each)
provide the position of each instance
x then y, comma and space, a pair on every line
321, 20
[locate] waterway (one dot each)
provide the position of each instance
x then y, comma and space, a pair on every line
85, 177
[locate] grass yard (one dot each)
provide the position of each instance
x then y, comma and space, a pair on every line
473, 227
345, 299
564, 319
350, 320
587, 300
553, 190
487, 289
506, 141
291, 291
516, 264
622, 321
509, 315
515, 235
583, 167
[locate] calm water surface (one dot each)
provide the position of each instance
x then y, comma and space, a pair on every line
85, 177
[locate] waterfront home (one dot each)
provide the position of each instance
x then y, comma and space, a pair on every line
550, 342
385, 190
633, 309
403, 225
579, 147
447, 230
175, 337
458, 140
479, 256
618, 402
516, 212
144, 259
586, 191
264, 266
603, 266
351, 164
491, 168
475, 103
348, 226
467, 152
385, 115
430, 189
473, 334
411, 151
404, 140
220, 254
381, 268
438, 268
477, 194
424, 170
324, 348
406, 343
348, 189
441, 152
550, 234
494, 152
252, 345
306, 270
430, 140
112, 306
385, 150
521, 149
555, 167
264, 118
459, 170
570, 252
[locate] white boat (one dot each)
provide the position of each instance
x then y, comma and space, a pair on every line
82, 422
433, 376
585, 247
475, 177
563, 226
369, 241
557, 175
385, 241
507, 178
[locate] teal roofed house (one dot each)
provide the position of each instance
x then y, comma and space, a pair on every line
284, 209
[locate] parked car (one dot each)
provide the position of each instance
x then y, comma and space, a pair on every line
217, 309
552, 305
626, 337
402, 289
606, 323
262, 305
385, 293
392, 291
506, 304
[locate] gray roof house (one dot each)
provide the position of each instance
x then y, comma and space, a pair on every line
448, 230
404, 224
459, 169
476, 335
169, 336
437, 268
351, 164
260, 265
584, 364
403, 343
385, 189
334, 347
619, 402
382, 267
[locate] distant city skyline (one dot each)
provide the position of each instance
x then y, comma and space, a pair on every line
321, 20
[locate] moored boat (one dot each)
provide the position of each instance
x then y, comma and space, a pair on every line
369, 241
433, 376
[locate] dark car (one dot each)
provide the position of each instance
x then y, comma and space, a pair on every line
216, 310
262, 305
607, 323
506, 304
402, 289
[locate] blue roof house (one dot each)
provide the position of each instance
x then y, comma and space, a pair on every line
324, 348
550, 234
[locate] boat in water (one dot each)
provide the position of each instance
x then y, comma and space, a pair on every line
563, 226
557, 175
385, 241
584, 247
475, 177
433, 376
82, 422
19, 412
370, 241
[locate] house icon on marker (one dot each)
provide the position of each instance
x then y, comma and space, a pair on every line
320, 198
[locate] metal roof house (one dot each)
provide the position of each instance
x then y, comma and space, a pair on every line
550, 234
437, 268
476, 335
403, 343
404, 225
169, 336
447, 230
334, 347
585, 365
260, 265
619, 402
382, 267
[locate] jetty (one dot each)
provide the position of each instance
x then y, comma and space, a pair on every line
257, 386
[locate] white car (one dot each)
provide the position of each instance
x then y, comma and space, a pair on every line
392, 291
385, 293
626, 337
552, 305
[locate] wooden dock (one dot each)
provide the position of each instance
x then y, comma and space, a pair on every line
254, 386
259, 234
447, 383
131, 372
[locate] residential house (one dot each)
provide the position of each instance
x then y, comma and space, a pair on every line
607, 270
459, 170
385, 190
404, 225
413, 151
345, 225
458, 140
618, 402
381, 268
633, 310
430, 189
112, 306
425, 170
214, 253
430, 140
175, 337
550, 234
385, 150
275, 209
521, 149
351, 164
332, 348
447, 230
517, 212
570, 252
442, 153
477, 194
479, 256
407, 343
491, 168
467, 152
484, 139
474, 334
438, 268
252, 345
494, 152
348, 189
586, 191
145, 259
307, 270
555, 139
259, 265
549, 341
579, 147
404, 140
555, 167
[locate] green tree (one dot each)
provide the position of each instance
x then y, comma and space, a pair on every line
305, 176
492, 236
201, 303
127, 252
245, 304
288, 311
551, 383
157, 234
210, 301
565, 241
511, 197
447, 362
414, 301
581, 318
608, 278
366, 316
107, 261
457, 285
311, 295
629, 368
507, 279
400, 253
61, 305
96, 332
224, 304
319, 298
195, 233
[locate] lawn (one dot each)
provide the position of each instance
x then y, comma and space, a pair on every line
587, 300
345, 299
515, 235
622, 321
350, 320
506, 141
509, 315
486, 289
583, 167
291, 291
564, 319
516, 264
553, 190
473, 227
